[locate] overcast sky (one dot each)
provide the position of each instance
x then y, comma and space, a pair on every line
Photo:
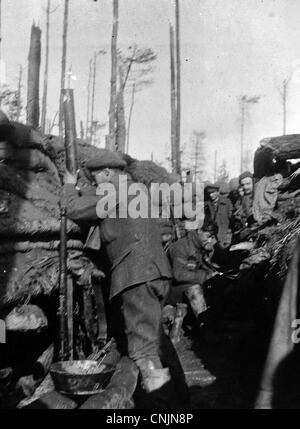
229, 48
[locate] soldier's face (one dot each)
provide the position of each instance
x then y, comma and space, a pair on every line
214, 195
207, 239
101, 176
247, 185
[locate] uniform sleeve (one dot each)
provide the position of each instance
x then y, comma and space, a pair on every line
79, 207
181, 272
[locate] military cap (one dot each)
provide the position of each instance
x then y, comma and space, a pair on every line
212, 186
245, 175
105, 159
210, 226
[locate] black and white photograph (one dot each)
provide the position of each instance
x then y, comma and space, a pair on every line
149, 207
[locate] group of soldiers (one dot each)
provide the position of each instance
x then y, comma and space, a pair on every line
201, 256
148, 272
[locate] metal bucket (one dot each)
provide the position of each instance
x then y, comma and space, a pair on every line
81, 377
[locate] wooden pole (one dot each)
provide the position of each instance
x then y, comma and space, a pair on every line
111, 141
178, 90
63, 289
66, 286
70, 130
173, 101
63, 66
34, 61
45, 92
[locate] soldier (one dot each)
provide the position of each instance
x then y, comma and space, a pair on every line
190, 258
244, 204
218, 210
139, 269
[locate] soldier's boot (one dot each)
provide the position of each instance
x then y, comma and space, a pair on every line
153, 376
158, 389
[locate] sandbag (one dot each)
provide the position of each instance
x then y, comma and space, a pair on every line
26, 318
25, 246
35, 228
26, 136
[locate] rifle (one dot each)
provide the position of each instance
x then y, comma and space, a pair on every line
65, 281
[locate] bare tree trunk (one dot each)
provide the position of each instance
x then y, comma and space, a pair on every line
178, 89
196, 158
19, 93
34, 61
48, 131
45, 92
242, 135
0, 51
63, 66
93, 98
87, 134
130, 117
81, 130
52, 124
215, 168
173, 101
111, 141
121, 124
284, 99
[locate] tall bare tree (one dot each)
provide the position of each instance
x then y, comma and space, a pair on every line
283, 91
93, 128
0, 45
244, 101
19, 93
34, 62
111, 140
178, 90
63, 65
136, 65
198, 154
133, 90
173, 100
87, 134
45, 92
93, 96
121, 124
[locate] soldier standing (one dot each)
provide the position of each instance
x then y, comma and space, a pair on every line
139, 269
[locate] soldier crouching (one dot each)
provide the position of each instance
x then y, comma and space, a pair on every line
190, 257
139, 270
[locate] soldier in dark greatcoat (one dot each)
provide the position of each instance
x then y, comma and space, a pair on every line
139, 269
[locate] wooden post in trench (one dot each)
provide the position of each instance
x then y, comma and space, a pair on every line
66, 282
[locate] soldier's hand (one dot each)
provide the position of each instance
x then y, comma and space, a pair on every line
211, 274
71, 179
